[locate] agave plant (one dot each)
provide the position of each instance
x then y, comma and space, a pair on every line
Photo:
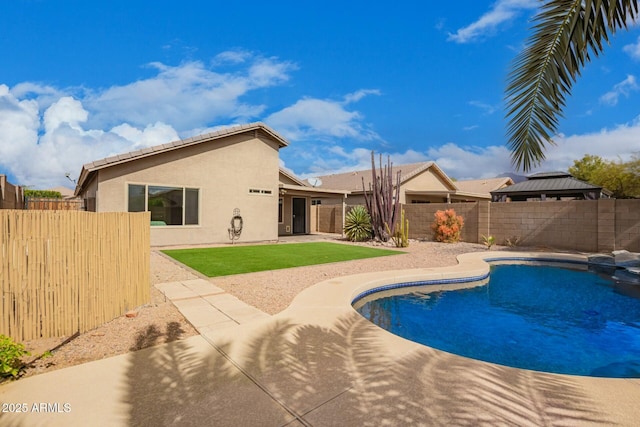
357, 224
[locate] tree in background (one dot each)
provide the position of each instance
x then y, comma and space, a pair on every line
622, 178
46, 194
566, 33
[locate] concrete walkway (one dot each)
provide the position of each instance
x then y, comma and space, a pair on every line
317, 363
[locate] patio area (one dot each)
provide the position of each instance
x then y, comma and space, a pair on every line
316, 363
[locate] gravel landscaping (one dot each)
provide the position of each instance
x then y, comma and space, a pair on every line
271, 291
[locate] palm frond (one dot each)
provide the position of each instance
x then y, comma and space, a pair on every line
566, 33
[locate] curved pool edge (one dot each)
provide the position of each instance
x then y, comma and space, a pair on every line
342, 292
327, 305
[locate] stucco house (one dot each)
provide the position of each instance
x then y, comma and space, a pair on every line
422, 182
480, 189
194, 187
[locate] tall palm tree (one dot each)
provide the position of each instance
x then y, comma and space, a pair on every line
566, 34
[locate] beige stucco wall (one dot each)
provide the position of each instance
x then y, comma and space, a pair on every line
583, 225
285, 228
224, 170
425, 181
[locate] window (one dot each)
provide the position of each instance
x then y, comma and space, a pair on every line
280, 210
259, 191
137, 198
316, 202
167, 205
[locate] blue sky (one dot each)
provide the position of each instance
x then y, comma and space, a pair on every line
82, 80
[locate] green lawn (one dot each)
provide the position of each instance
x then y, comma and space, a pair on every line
228, 260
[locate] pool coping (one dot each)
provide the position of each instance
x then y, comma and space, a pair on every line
326, 301
320, 363
472, 267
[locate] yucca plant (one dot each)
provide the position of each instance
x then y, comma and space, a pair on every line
357, 224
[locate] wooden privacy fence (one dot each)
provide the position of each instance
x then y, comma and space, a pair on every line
63, 272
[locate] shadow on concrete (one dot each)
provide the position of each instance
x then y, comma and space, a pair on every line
289, 374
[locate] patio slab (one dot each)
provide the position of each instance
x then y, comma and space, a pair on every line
317, 363
182, 383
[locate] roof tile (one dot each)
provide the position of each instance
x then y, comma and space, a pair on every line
132, 155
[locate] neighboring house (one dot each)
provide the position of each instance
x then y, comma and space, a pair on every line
421, 182
192, 187
65, 192
550, 186
480, 189
11, 196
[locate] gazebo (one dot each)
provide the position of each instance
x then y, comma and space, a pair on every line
550, 186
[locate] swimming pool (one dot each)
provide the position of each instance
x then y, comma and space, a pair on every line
543, 318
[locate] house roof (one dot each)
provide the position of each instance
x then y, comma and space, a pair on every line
555, 184
546, 175
89, 168
549, 184
293, 178
302, 187
483, 186
64, 191
352, 181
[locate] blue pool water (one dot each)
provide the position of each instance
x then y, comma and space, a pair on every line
533, 317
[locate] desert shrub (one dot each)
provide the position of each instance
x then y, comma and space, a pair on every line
512, 241
488, 241
47, 194
447, 226
357, 224
400, 236
10, 357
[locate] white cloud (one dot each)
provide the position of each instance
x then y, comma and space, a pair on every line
39, 146
65, 111
457, 162
624, 88
501, 12
617, 143
232, 57
486, 108
19, 125
149, 136
471, 162
633, 49
320, 118
41, 161
46, 132
463, 162
358, 95
188, 95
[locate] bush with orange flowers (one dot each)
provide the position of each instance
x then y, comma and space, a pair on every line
447, 226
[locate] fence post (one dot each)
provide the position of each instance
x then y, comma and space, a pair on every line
606, 224
484, 220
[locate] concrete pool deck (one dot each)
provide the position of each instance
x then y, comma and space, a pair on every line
316, 363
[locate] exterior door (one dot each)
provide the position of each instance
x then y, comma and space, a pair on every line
299, 215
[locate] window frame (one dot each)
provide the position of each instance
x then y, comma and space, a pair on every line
185, 189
